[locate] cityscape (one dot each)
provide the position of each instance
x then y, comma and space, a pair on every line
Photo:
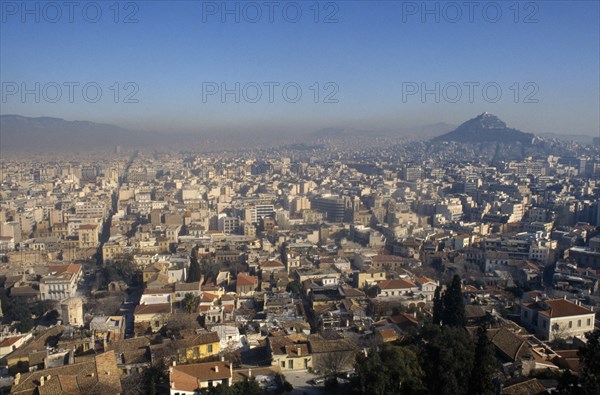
341, 229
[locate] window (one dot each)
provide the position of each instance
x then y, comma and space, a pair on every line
570, 324
283, 364
210, 348
291, 364
579, 323
589, 322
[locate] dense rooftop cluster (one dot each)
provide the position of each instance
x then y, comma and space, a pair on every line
176, 272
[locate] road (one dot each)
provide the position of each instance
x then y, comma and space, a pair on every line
300, 381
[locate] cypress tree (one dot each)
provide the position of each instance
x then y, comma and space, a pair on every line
454, 308
484, 367
438, 306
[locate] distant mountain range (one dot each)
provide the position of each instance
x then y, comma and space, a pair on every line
486, 128
19, 133
45, 133
426, 131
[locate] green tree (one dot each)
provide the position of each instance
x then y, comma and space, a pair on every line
447, 358
568, 384
372, 290
294, 287
246, 387
391, 370
209, 268
438, 306
482, 376
189, 302
154, 376
589, 355
454, 307
373, 378
122, 269
194, 273
19, 311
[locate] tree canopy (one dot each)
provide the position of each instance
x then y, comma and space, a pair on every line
447, 359
484, 367
453, 313
390, 370
590, 363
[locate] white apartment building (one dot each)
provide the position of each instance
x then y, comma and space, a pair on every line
558, 318
61, 282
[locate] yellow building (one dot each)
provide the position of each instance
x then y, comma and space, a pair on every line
88, 236
369, 277
153, 269
194, 347
111, 251
290, 353
151, 316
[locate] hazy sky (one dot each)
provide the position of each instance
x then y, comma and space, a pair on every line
365, 63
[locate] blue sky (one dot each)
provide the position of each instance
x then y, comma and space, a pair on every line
544, 56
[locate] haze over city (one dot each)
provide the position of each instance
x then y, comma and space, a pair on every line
174, 54
300, 197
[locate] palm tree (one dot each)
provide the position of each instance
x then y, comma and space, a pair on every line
189, 302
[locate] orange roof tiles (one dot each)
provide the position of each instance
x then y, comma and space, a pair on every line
396, 284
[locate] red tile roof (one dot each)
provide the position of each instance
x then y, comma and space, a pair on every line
158, 308
189, 377
10, 341
396, 284
246, 280
564, 308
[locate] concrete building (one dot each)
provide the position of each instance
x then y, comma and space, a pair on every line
61, 282
558, 318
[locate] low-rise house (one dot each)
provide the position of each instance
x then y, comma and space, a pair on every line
229, 336
388, 262
25, 291
339, 354
10, 344
246, 285
209, 308
151, 316
133, 354
177, 272
192, 347
557, 318
369, 277
157, 296
99, 374
427, 287
181, 289
386, 334
271, 266
108, 329
32, 353
289, 352
153, 269
187, 379
397, 287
